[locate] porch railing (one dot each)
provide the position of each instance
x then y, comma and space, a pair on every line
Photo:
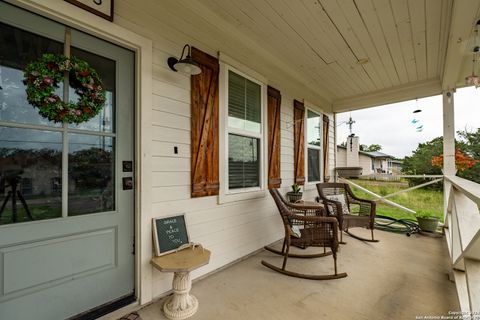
462, 222
462, 233
436, 178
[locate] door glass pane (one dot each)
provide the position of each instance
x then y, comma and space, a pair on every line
243, 162
313, 128
313, 165
29, 161
105, 68
17, 49
91, 174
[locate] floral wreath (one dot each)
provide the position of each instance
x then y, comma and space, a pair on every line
42, 77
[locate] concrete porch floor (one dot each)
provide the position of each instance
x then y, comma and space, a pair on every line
398, 278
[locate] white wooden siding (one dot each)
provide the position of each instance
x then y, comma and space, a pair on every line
286, 147
331, 148
229, 230
366, 164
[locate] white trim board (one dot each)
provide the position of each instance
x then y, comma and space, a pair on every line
410, 91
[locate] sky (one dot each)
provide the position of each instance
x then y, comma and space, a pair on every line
391, 125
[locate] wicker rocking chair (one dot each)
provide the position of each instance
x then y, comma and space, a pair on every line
351, 211
304, 227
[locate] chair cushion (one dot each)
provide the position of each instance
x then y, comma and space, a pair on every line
340, 198
296, 231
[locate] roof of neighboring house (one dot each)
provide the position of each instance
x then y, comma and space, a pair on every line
378, 154
374, 154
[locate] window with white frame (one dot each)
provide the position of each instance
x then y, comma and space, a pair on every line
314, 141
244, 132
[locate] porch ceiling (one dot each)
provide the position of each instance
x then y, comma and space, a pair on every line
350, 54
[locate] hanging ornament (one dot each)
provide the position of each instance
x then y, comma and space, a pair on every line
473, 79
416, 122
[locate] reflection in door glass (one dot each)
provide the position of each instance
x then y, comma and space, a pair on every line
30, 175
17, 49
91, 174
106, 70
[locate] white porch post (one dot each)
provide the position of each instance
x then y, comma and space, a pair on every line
448, 145
448, 134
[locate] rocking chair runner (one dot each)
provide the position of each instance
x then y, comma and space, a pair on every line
311, 229
340, 202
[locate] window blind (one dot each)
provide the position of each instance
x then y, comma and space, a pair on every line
244, 102
313, 164
243, 162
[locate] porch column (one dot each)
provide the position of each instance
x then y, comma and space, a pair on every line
448, 148
448, 134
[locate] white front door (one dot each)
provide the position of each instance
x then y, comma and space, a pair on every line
66, 220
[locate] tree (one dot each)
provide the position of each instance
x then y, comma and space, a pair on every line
467, 149
470, 144
421, 160
374, 147
471, 141
370, 148
462, 161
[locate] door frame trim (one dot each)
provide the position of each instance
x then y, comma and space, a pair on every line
64, 12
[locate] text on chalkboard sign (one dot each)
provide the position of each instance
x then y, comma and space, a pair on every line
169, 233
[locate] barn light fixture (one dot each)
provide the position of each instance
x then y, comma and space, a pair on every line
473, 79
184, 65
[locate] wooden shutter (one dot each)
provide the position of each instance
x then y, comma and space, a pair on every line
274, 102
299, 141
204, 120
326, 129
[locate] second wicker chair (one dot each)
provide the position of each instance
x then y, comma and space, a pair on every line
351, 211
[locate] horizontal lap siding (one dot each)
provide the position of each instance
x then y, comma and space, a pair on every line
286, 136
366, 164
230, 230
331, 148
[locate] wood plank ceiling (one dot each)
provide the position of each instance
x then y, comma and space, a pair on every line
346, 48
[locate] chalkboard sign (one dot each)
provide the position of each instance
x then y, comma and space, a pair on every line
169, 233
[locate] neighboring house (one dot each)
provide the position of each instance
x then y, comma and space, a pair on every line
371, 162
396, 166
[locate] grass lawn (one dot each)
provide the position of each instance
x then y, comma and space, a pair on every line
423, 201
